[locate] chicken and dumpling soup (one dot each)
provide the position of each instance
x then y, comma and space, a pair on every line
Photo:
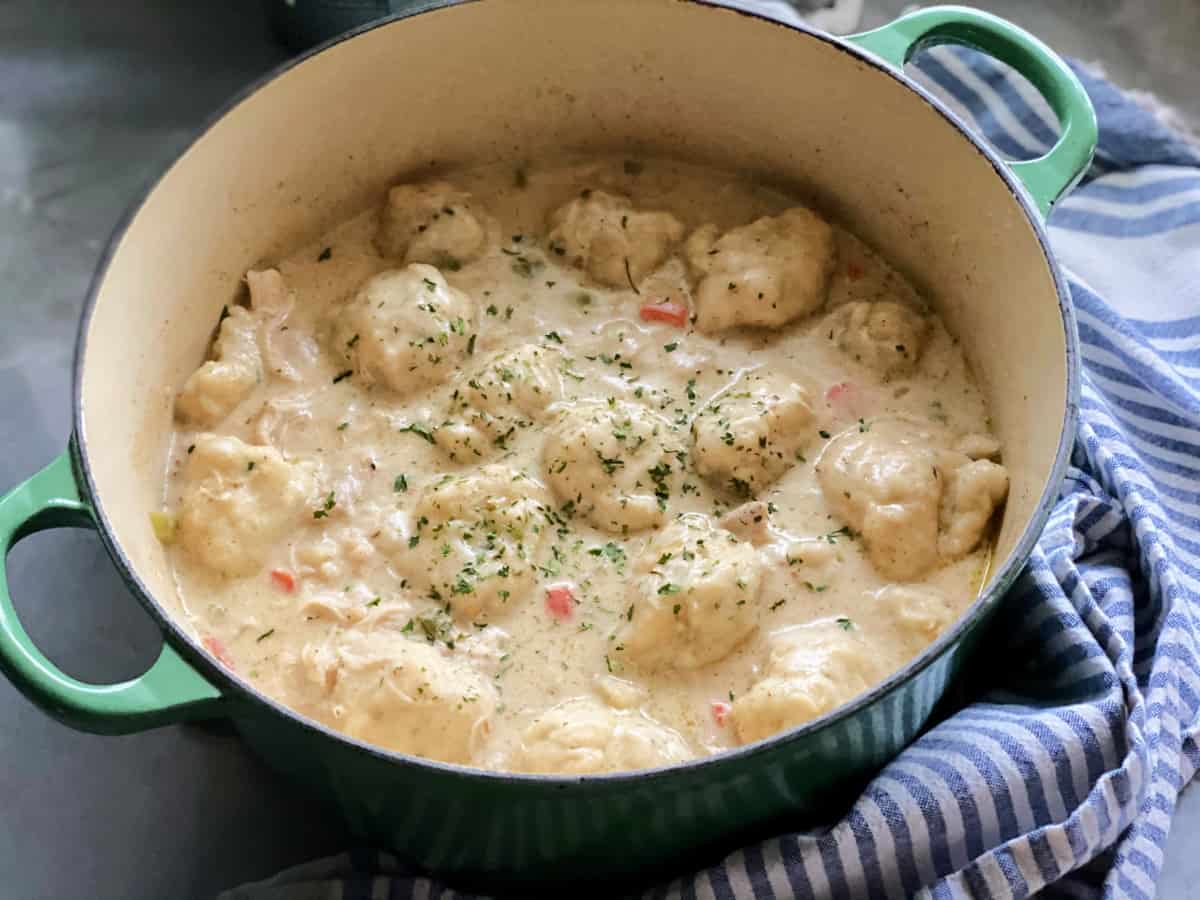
586, 467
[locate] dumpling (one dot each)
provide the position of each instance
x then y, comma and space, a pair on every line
400, 693
612, 241
581, 737
213, 390
238, 501
885, 484
764, 274
268, 291
475, 540
885, 336
406, 328
811, 669
693, 598
616, 463
491, 403
919, 611
750, 521
433, 222
898, 486
973, 491
747, 438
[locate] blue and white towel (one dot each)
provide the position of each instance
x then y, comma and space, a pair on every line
1063, 777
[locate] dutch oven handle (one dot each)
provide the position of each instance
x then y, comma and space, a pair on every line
169, 691
1048, 177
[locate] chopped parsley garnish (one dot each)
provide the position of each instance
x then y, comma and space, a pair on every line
400, 485
471, 345
523, 267
342, 426
832, 536
429, 285
668, 589
266, 634
659, 474
325, 254
778, 603
611, 551
554, 336
419, 430
671, 347
610, 465
492, 310
502, 440
823, 433
352, 341
845, 623
329, 504
816, 588
675, 609
342, 376
375, 602
436, 626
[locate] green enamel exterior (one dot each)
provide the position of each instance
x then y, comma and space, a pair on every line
495, 830
1048, 177
169, 691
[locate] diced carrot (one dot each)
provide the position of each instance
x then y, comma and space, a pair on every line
721, 711
217, 648
667, 311
284, 580
559, 600
854, 271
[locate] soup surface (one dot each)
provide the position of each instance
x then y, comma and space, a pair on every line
596, 465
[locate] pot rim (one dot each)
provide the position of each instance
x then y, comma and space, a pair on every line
235, 688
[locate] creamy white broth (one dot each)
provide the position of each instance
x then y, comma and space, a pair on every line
301, 560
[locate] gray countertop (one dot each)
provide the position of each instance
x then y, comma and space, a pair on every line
94, 98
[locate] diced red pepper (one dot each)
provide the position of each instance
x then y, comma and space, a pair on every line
667, 311
559, 600
721, 711
217, 648
284, 580
854, 271
845, 399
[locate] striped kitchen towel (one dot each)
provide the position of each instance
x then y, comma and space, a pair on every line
1064, 775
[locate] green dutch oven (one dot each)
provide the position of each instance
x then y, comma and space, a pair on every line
453, 84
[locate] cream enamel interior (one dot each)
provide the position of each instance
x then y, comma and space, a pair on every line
525, 78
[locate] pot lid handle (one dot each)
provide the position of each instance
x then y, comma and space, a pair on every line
171, 690
1050, 176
